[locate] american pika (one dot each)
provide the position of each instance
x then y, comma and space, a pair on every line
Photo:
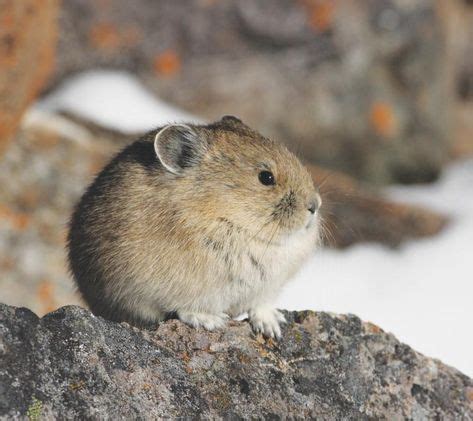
203, 221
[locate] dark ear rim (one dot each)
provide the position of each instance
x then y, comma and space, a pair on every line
156, 149
231, 118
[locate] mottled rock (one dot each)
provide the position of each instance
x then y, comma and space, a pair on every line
73, 365
358, 86
28, 33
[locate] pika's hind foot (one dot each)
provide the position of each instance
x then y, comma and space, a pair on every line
266, 320
205, 320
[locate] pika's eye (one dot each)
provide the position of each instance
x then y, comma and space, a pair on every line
266, 178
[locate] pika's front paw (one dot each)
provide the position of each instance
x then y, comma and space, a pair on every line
266, 320
205, 320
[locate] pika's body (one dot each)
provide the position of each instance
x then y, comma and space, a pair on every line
203, 221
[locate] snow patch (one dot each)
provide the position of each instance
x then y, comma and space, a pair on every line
114, 99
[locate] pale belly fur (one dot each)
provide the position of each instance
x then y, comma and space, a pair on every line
254, 278
259, 284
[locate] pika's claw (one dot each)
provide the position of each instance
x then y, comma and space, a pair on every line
280, 316
266, 320
205, 320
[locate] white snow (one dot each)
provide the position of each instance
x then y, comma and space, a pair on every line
422, 293
113, 99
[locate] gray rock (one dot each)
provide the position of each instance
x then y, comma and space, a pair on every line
359, 86
73, 365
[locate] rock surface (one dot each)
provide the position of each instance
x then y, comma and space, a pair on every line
73, 365
358, 86
28, 31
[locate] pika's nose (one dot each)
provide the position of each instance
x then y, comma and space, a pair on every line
314, 204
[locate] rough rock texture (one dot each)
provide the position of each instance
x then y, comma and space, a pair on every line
358, 86
52, 160
27, 41
73, 365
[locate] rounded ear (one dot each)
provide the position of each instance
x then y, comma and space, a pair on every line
235, 122
178, 146
231, 119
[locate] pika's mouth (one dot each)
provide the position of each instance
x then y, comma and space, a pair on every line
297, 226
310, 223
313, 219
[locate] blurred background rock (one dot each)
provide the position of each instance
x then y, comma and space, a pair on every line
359, 86
28, 34
368, 92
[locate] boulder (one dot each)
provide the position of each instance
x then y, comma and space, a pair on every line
357, 86
73, 365
28, 33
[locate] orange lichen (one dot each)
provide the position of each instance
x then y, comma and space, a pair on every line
185, 356
104, 36
321, 14
21, 221
382, 119
372, 328
46, 296
243, 358
167, 63
17, 220
188, 370
7, 20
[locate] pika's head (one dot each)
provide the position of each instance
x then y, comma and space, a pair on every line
228, 172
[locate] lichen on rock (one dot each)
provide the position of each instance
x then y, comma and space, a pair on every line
325, 366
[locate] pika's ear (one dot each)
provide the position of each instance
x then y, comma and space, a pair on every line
234, 122
231, 119
178, 146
